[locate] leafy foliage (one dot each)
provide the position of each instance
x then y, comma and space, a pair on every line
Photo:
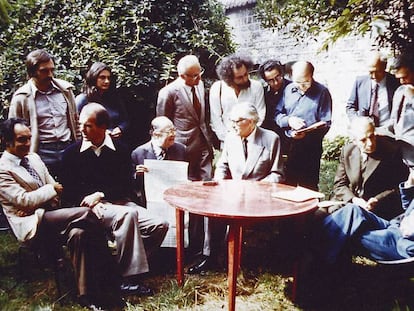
390, 22
332, 147
140, 40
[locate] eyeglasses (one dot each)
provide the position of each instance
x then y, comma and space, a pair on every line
275, 79
304, 84
239, 120
196, 76
168, 131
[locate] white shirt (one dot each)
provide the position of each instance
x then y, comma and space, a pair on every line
221, 106
86, 144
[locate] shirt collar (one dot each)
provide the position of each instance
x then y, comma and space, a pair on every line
251, 135
86, 144
157, 149
12, 158
35, 90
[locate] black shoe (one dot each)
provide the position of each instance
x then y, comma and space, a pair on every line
201, 267
135, 289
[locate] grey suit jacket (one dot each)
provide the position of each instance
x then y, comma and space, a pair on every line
19, 193
360, 98
263, 161
174, 103
383, 173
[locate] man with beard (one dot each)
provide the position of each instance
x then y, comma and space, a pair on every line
48, 105
235, 86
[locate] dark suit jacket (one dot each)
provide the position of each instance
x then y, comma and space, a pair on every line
360, 98
176, 152
85, 173
384, 171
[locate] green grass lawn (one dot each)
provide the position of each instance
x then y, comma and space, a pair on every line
264, 282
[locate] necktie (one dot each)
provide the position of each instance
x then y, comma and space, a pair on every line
196, 102
245, 148
25, 163
161, 156
374, 108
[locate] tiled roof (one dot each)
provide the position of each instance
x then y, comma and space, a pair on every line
230, 4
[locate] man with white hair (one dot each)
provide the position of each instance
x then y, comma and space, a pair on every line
183, 102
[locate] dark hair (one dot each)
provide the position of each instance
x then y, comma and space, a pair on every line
269, 65
7, 133
89, 87
404, 60
234, 61
36, 57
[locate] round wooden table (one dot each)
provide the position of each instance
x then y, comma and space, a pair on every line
239, 202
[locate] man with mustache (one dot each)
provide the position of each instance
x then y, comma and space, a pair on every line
235, 86
48, 106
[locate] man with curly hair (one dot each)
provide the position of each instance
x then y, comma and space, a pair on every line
235, 86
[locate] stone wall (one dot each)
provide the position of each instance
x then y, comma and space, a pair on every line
336, 68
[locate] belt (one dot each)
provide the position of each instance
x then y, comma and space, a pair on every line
55, 145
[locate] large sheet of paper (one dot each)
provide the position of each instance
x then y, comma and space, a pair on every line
162, 175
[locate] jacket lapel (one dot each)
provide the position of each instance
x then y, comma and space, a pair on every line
187, 101
254, 152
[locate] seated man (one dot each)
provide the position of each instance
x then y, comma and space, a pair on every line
249, 152
162, 146
97, 174
30, 196
369, 171
380, 239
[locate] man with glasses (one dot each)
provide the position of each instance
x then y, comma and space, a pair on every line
235, 86
162, 146
272, 72
305, 102
183, 102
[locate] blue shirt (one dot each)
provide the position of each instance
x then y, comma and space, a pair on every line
312, 106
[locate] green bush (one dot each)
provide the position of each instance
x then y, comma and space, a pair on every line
332, 147
140, 40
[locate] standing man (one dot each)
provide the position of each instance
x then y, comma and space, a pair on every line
162, 146
272, 72
30, 198
48, 105
235, 86
372, 94
183, 102
97, 174
403, 106
369, 171
305, 102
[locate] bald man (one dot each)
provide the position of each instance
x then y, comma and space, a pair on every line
369, 171
97, 173
377, 87
304, 103
162, 146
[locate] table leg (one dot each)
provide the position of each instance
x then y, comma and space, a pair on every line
179, 218
235, 232
298, 230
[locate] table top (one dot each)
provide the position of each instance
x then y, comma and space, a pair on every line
236, 199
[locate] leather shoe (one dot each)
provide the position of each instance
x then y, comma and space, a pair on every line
201, 267
135, 289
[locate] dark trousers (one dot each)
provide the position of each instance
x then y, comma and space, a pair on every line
94, 268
